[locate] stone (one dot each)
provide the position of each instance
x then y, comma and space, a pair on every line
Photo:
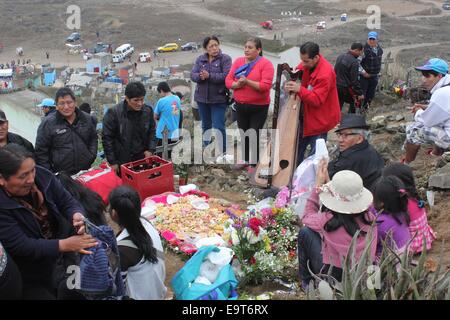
399, 117
441, 179
218, 172
394, 128
378, 118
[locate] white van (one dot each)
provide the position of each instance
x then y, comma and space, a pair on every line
118, 58
125, 50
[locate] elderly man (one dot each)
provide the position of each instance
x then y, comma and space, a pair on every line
432, 122
355, 152
7, 137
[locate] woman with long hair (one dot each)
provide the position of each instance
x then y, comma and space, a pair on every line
327, 234
140, 247
90, 200
251, 78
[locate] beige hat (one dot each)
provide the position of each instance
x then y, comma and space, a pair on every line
345, 193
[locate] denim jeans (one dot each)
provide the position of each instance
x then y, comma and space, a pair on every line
213, 117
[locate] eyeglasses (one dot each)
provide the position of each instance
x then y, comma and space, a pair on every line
345, 135
66, 103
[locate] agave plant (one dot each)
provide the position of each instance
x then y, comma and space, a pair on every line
395, 277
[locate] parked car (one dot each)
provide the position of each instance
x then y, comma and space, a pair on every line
446, 5
145, 57
118, 58
101, 47
73, 37
189, 46
125, 50
168, 47
321, 25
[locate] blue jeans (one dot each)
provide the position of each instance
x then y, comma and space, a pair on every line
305, 142
213, 117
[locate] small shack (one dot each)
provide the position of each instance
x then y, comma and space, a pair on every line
6, 78
98, 63
126, 74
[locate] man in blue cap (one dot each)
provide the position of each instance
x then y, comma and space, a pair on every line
432, 121
370, 68
48, 106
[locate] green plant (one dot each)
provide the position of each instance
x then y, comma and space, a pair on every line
182, 170
398, 277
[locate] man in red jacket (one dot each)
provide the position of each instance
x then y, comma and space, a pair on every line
318, 94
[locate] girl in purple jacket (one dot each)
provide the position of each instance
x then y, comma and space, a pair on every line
391, 203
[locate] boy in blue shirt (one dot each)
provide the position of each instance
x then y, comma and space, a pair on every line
167, 113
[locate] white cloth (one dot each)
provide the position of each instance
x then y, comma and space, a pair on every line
145, 280
437, 114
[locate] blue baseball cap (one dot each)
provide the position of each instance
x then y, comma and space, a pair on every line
435, 64
372, 35
47, 102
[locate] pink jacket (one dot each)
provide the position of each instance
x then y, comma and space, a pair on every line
335, 244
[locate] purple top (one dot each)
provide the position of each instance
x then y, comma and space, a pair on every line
388, 225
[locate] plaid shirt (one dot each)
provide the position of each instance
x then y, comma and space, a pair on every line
419, 230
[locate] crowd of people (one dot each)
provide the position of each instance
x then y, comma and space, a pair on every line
43, 211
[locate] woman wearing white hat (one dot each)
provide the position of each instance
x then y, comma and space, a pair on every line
328, 230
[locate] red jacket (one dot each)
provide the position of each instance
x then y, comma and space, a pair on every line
319, 95
262, 72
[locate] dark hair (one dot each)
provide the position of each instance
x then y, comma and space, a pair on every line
163, 86
405, 174
427, 73
178, 94
310, 48
135, 89
90, 200
388, 190
127, 203
85, 107
257, 42
11, 158
61, 93
2, 114
348, 221
356, 46
208, 39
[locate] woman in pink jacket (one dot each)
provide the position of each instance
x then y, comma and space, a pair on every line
251, 78
328, 231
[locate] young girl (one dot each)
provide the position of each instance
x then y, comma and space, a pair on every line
140, 247
327, 234
391, 203
419, 228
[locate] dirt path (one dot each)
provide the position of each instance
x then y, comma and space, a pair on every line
396, 50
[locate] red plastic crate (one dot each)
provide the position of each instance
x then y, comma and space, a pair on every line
151, 181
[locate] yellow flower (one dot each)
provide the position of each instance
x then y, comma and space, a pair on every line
267, 245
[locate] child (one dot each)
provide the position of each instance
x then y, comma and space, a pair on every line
391, 204
140, 247
419, 228
328, 233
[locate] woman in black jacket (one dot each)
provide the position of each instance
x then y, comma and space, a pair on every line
36, 218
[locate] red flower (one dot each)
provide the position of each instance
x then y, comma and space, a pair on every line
252, 260
291, 254
254, 224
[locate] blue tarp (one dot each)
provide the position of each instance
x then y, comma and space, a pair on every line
49, 78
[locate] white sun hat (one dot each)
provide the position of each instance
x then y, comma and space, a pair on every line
345, 193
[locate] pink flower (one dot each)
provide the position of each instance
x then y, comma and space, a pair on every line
283, 231
282, 198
